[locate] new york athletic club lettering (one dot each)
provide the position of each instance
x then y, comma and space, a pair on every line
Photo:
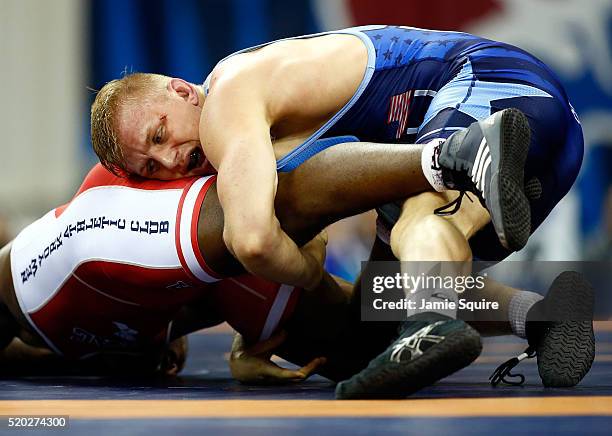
148, 227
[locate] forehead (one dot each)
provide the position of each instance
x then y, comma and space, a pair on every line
134, 117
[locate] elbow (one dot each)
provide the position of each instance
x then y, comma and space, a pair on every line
253, 248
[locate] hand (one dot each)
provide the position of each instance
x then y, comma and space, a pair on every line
252, 365
315, 251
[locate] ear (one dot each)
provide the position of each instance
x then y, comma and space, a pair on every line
184, 89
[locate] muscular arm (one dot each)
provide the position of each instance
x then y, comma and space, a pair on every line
236, 139
341, 181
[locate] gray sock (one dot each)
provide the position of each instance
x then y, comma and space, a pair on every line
518, 308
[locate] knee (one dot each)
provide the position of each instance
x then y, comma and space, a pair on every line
430, 238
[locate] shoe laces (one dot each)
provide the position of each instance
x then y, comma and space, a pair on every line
502, 373
455, 204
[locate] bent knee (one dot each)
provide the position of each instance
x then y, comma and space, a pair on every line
429, 238
469, 219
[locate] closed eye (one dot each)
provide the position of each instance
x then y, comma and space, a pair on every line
157, 139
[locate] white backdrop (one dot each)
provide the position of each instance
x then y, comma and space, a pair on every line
42, 84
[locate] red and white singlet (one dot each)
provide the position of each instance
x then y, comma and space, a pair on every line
109, 270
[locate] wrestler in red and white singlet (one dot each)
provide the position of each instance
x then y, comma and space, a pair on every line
109, 270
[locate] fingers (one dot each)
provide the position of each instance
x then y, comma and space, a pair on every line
268, 345
251, 367
275, 374
311, 368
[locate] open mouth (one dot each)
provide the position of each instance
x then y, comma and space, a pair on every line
195, 159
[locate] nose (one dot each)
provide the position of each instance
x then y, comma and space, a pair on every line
169, 159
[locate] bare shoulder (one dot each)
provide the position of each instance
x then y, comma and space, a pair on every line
306, 76
244, 72
237, 89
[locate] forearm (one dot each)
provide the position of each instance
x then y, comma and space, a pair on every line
252, 232
279, 259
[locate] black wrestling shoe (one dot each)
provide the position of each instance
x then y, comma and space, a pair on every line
559, 330
430, 347
488, 159
565, 345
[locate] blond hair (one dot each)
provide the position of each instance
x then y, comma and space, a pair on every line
104, 112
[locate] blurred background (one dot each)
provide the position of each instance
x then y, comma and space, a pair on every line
53, 53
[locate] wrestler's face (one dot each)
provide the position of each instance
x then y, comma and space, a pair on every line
159, 134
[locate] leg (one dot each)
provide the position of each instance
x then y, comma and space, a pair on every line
487, 158
346, 180
339, 182
420, 235
431, 345
557, 342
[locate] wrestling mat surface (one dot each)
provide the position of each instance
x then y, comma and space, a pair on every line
205, 400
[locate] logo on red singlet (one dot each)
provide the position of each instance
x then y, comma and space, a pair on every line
179, 285
125, 333
124, 337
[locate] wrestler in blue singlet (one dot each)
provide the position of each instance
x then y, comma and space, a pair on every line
420, 85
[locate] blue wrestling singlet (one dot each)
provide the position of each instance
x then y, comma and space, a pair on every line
420, 85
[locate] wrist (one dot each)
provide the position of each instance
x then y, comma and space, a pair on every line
313, 272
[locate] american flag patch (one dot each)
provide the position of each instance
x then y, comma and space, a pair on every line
399, 109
